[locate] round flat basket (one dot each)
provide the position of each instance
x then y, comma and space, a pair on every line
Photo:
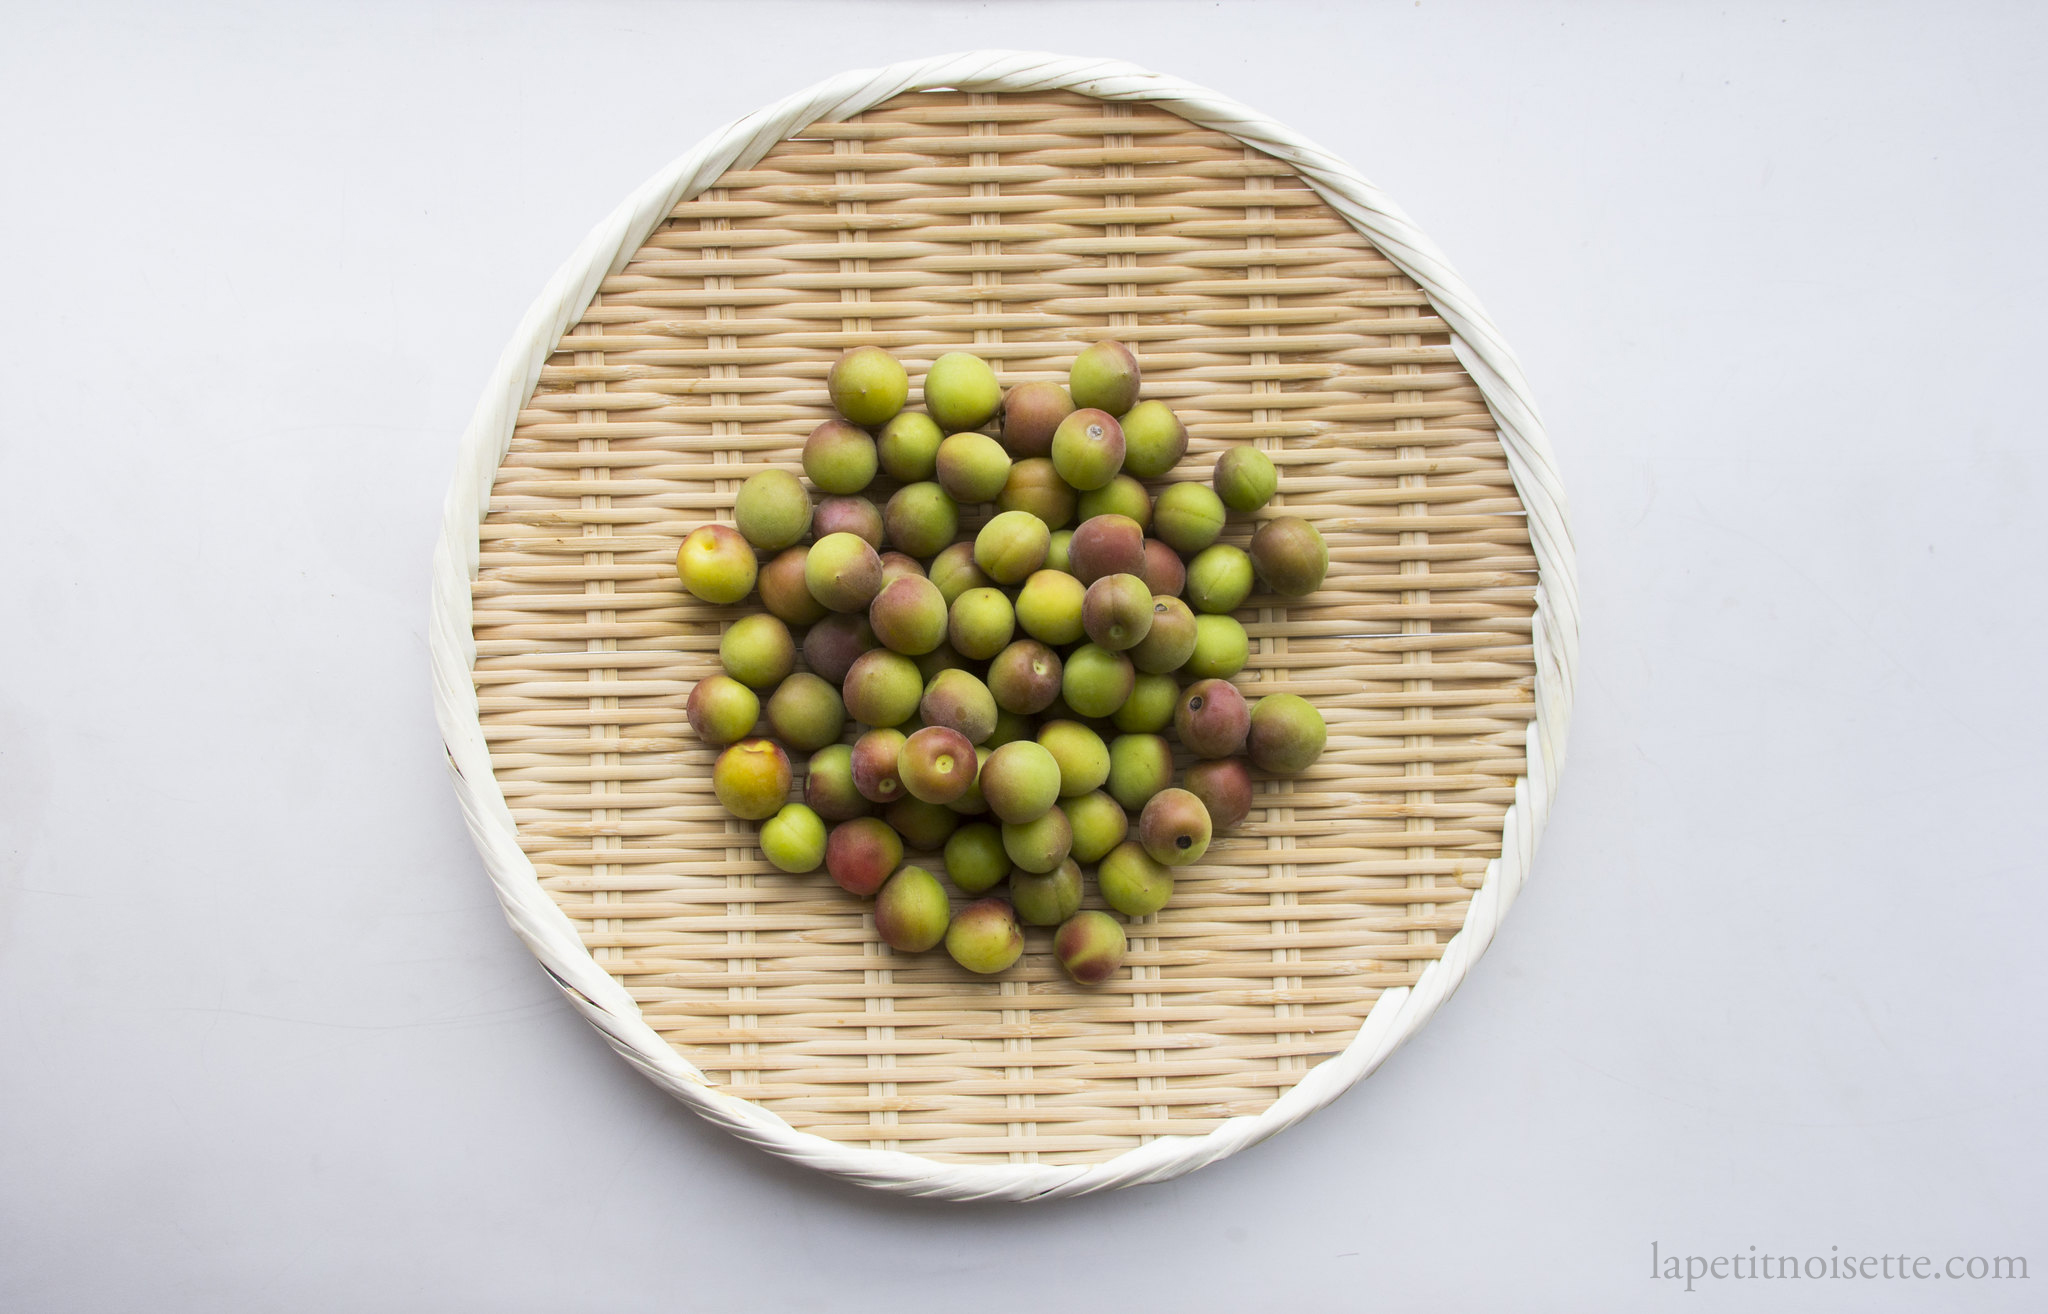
1021, 207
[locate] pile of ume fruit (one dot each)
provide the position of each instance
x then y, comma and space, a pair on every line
1015, 686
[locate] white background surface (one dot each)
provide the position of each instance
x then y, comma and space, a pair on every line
1777, 276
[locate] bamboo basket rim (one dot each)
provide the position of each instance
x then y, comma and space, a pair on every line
547, 930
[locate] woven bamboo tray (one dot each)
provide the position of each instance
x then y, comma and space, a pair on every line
1021, 206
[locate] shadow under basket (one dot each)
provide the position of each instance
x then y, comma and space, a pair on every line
1019, 207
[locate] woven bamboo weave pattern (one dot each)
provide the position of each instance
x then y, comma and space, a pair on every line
1020, 226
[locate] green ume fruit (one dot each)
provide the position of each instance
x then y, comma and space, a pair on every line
1038, 845
875, 762
1049, 607
1132, 882
1225, 788
957, 700
722, 710
1221, 649
941, 658
1036, 487
849, 515
1088, 449
1139, 767
717, 564
908, 447
806, 713
751, 779
1011, 546
1287, 734
828, 784
937, 764
784, 592
1010, 727
954, 571
975, 858
1121, 496
843, 572
860, 854
1058, 550
911, 912
832, 645
1031, 411
1082, 756
984, 937
1169, 641
961, 392
1021, 781
772, 510
1099, 824
882, 688
794, 839
1047, 898
982, 623
1096, 681
973, 467
840, 457
909, 616
921, 520
1219, 579
1117, 611
1149, 709
1188, 517
1291, 556
868, 386
1175, 828
1105, 376
1090, 947
1024, 677
1154, 439
1106, 545
1163, 572
924, 826
1212, 719
757, 651
1245, 478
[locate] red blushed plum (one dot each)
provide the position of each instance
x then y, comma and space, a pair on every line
1031, 411
875, 772
1036, 487
849, 515
1224, 785
1025, 677
954, 571
1169, 641
832, 645
1175, 828
860, 854
954, 698
1163, 571
936, 764
909, 616
1117, 611
895, 565
829, 790
783, 591
751, 778
1212, 719
882, 688
1090, 946
1107, 545
1291, 556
